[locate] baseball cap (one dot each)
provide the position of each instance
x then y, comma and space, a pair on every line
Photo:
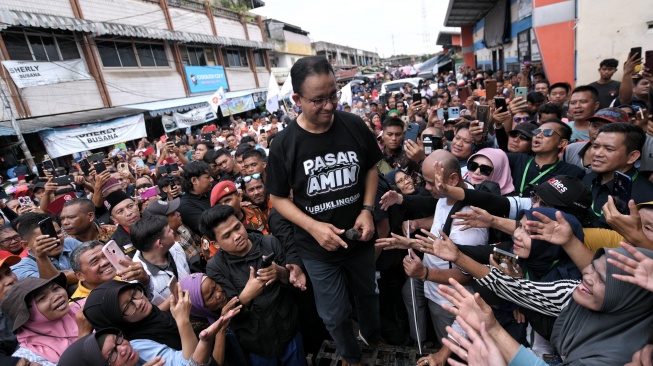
526, 129
564, 191
610, 115
10, 260
451, 83
162, 208
222, 189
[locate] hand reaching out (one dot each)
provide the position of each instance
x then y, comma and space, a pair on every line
476, 218
479, 350
639, 268
557, 232
470, 307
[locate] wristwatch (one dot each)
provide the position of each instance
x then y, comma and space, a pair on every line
369, 208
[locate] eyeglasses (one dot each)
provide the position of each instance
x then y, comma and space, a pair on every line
535, 199
405, 179
486, 170
113, 355
247, 178
321, 102
521, 119
130, 307
517, 134
547, 132
10, 240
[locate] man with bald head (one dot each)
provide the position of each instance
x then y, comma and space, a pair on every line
435, 271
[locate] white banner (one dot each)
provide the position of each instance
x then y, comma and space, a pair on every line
68, 140
191, 118
35, 73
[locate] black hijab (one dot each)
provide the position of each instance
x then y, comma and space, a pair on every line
102, 310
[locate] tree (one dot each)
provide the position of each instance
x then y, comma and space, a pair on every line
241, 6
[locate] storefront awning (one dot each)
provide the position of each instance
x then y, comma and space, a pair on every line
10, 18
31, 125
169, 106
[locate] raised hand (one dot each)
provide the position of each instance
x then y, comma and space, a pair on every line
475, 219
639, 268
443, 248
479, 349
470, 307
557, 231
390, 198
394, 242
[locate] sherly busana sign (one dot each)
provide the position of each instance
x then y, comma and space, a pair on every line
35, 73
68, 140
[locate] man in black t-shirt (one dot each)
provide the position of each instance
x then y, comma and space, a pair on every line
328, 159
608, 89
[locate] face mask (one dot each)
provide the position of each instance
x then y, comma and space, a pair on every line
449, 135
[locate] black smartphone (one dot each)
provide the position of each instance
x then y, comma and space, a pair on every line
635, 50
100, 167
96, 157
161, 169
63, 180
48, 166
621, 189
500, 104
174, 167
85, 166
262, 130
648, 60
483, 116
267, 261
47, 228
411, 132
417, 97
39, 169
207, 136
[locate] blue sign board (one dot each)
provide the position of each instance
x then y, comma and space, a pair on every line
205, 78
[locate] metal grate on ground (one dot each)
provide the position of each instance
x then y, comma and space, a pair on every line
382, 355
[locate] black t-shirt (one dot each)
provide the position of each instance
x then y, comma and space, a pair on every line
607, 92
327, 173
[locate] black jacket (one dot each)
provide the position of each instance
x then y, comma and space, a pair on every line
270, 321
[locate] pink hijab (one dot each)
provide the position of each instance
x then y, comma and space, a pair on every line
49, 338
501, 173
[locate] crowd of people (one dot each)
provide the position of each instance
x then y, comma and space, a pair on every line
498, 219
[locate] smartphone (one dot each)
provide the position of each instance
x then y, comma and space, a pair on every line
262, 130
490, 89
500, 104
635, 50
499, 256
47, 228
100, 167
25, 201
417, 97
150, 192
48, 166
427, 141
521, 91
140, 163
114, 254
207, 136
173, 286
174, 167
96, 157
411, 132
267, 261
463, 94
85, 166
621, 189
63, 180
483, 116
39, 169
440, 113
648, 60
454, 113
123, 166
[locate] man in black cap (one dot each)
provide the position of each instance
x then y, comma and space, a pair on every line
124, 211
374, 107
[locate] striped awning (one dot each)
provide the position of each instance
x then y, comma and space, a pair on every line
10, 18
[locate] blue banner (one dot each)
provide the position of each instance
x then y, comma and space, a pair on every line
205, 78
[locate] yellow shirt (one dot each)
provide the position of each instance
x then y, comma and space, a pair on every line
81, 292
596, 238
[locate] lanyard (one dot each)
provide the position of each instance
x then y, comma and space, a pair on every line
523, 178
601, 214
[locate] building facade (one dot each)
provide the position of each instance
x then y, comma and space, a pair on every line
345, 56
290, 44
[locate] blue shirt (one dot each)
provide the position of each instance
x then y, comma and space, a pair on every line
524, 357
148, 349
27, 266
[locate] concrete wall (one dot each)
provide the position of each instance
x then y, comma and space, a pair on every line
229, 28
190, 21
601, 34
62, 98
240, 78
254, 32
51, 7
131, 12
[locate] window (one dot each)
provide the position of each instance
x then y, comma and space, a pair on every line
259, 58
132, 54
235, 58
197, 56
40, 46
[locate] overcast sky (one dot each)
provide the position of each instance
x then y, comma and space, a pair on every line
365, 24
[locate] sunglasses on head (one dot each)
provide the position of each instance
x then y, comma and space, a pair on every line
486, 170
247, 178
547, 132
521, 136
521, 119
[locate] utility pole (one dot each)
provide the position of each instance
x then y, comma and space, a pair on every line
394, 52
14, 124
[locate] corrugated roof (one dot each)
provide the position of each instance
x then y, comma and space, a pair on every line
10, 18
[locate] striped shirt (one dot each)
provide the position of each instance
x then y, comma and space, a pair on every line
548, 298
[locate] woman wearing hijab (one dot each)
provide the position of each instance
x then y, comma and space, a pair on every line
209, 302
490, 164
600, 320
44, 321
150, 331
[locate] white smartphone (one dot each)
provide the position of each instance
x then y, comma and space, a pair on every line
173, 286
114, 254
